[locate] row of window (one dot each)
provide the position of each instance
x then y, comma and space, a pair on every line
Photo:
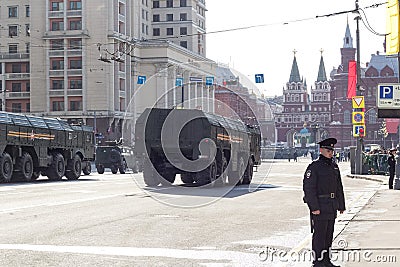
170, 3
58, 63
73, 44
17, 87
73, 105
13, 11
170, 31
73, 24
58, 84
170, 17
72, 5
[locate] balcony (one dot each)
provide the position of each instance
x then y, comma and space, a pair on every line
74, 92
58, 53
18, 76
74, 13
14, 56
10, 95
56, 14
74, 72
56, 92
74, 52
56, 73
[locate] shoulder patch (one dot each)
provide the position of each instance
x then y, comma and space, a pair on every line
308, 174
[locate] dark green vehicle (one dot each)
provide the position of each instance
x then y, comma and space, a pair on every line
114, 157
30, 146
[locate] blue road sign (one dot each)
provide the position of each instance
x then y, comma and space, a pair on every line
141, 79
386, 91
209, 80
179, 82
259, 78
358, 128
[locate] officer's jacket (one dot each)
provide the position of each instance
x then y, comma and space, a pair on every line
391, 162
323, 189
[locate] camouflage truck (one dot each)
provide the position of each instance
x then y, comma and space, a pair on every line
30, 146
205, 149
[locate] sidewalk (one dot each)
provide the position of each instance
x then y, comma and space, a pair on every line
370, 236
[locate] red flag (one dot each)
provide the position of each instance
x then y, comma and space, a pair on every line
351, 85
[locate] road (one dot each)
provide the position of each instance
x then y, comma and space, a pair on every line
114, 220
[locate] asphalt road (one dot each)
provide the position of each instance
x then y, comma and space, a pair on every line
114, 220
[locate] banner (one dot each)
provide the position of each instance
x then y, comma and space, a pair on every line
352, 81
392, 27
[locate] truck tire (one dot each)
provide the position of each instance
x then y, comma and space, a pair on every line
100, 169
208, 175
114, 169
24, 165
88, 168
115, 156
6, 168
248, 174
123, 167
56, 170
236, 177
187, 178
74, 168
150, 175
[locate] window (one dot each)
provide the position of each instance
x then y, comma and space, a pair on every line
13, 48
13, 30
170, 31
75, 105
170, 3
75, 5
156, 18
57, 64
183, 31
75, 25
16, 87
27, 11
27, 30
28, 107
57, 44
156, 4
57, 6
75, 84
57, 84
156, 31
58, 105
12, 12
170, 17
183, 17
16, 107
75, 44
183, 44
183, 3
57, 25
75, 64
16, 68
28, 86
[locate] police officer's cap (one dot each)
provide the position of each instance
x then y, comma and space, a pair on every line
328, 143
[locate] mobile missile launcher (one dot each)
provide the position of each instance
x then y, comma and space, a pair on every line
30, 146
203, 148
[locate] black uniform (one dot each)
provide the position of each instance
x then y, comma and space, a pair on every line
392, 165
323, 190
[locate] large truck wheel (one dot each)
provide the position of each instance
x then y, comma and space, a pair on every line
123, 167
74, 168
236, 177
6, 167
187, 178
100, 169
248, 174
114, 169
56, 170
87, 169
150, 175
24, 165
208, 175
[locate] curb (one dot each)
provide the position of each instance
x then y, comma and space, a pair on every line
365, 178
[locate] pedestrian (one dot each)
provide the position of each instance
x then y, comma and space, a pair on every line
391, 161
323, 193
295, 155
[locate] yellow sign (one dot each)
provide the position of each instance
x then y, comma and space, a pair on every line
358, 102
358, 118
392, 27
359, 130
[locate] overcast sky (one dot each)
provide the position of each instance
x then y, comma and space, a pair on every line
291, 25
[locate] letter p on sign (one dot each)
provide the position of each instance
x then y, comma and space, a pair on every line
386, 92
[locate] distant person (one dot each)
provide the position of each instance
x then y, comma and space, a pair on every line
323, 193
295, 155
391, 161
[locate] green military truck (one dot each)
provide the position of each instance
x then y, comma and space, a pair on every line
30, 146
116, 157
203, 148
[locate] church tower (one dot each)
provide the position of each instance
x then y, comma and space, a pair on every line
348, 52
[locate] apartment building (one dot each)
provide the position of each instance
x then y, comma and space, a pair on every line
81, 60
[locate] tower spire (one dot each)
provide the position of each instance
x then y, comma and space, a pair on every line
347, 40
321, 70
294, 74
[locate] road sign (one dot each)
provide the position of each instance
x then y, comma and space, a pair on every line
358, 102
141, 79
359, 131
179, 82
358, 118
209, 80
259, 78
388, 96
195, 79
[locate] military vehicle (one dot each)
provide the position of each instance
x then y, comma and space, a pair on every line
30, 146
203, 148
115, 156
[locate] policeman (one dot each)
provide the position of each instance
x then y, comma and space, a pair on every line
323, 193
391, 161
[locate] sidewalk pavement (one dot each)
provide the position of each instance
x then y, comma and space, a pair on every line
370, 235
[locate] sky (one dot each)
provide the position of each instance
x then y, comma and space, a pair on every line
288, 25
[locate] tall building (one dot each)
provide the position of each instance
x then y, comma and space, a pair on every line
99, 61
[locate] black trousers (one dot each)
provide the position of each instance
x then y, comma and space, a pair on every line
322, 239
391, 178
